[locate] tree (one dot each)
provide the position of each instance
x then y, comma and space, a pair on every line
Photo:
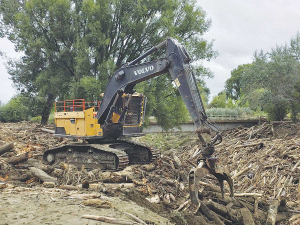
67, 42
276, 73
219, 101
233, 84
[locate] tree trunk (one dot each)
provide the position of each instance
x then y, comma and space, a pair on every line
47, 108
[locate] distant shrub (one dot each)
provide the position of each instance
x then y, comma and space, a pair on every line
36, 119
13, 111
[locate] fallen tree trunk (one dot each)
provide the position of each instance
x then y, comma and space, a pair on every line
68, 187
6, 148
42, 175
247, 217
210, 214
48, 130
17, 159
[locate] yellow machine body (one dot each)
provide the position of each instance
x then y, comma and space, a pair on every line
84, 124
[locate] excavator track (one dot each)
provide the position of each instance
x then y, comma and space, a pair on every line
114, 155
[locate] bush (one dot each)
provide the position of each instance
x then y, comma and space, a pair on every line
14, 111
277, 112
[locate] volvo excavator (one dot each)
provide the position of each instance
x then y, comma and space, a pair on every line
121, 114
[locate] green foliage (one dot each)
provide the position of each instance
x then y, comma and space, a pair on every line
167, 141
219, 101
233, 84
14, 110
87, 88
276, 112
270, 82
163, 102
72, 47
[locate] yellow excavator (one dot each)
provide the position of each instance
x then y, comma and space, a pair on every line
121, 114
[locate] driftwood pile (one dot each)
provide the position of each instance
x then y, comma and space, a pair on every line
22, 145
263, 160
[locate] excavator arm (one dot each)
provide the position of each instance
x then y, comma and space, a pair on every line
177, 64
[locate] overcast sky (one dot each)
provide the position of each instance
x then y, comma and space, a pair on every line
238, 28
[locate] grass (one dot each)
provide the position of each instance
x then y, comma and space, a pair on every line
168, 141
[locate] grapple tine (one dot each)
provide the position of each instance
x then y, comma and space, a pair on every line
205, 167
195, 176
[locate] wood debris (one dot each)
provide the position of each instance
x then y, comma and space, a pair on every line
264, 162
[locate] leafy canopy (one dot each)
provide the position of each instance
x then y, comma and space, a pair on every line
72, 47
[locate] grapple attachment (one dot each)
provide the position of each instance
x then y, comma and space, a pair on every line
204, 167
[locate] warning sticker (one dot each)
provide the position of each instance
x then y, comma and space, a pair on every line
177, 82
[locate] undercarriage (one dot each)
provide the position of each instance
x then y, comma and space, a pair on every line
111, 155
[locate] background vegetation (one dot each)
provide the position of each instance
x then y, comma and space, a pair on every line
72, 47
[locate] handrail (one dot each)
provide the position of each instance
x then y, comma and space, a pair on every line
72, 105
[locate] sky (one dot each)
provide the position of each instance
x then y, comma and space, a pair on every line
239, 28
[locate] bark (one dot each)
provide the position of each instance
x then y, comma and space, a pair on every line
47, 108
48, 130
42, 175
18, 159
97, 203
247, 217
210, 214
7, 147
272, 213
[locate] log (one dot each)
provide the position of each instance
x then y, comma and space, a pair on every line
211, 214
6, 148
218, 208
97, 203
42, 175
241, 172
49, 184
68, 187
17, 159
258, 145
177, 160
255, 207
246, 194
210, 187
247, 217
122, 185
272, 213
48, 130
22, 178
149, 167
135, 218
108, 219
86, 196
183, 205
